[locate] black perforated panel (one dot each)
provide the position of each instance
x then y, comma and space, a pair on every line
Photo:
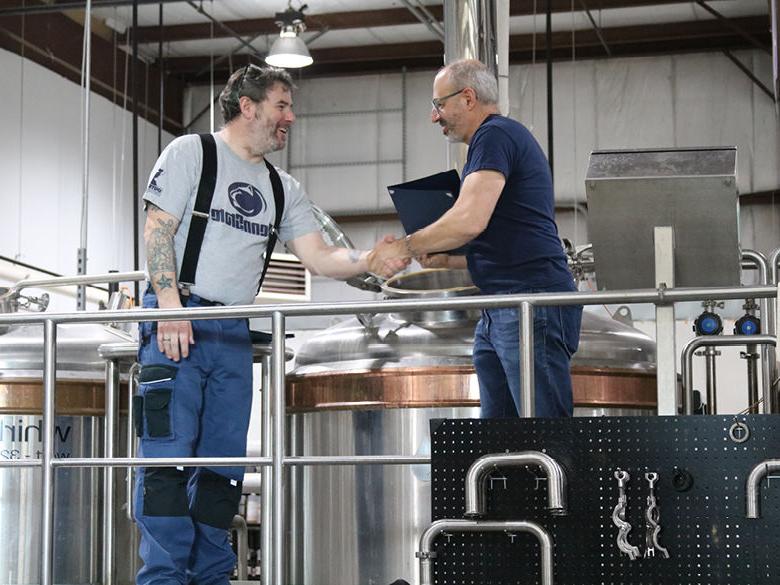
704, 529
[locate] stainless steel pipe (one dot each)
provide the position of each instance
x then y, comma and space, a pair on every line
242, 546
77, 280
653, 296
47, 514
767, 311
527, 386
277, 373
477, 478
758, 473
686, 367
266, 516
426, 554
109, 442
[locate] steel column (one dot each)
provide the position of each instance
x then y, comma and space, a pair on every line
47, 512
278, 377
266, 517
109, 430
664, 324
527, 387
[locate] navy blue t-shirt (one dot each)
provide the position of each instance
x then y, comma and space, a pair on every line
520, 248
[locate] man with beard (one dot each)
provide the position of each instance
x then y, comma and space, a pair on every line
210, 212
505, 215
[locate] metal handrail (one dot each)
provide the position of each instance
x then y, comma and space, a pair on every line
686, 367
649, 296
278, 461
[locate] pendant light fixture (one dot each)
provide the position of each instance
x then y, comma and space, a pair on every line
289, 50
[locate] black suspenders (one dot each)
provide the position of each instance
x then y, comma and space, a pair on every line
202, 208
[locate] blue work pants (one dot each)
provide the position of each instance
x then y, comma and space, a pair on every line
197, 407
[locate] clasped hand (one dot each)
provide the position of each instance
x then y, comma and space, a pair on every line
388, 257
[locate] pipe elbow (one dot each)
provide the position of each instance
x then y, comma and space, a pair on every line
476, 480
757, 474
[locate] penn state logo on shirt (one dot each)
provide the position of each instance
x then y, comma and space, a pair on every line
246, 199
153, 186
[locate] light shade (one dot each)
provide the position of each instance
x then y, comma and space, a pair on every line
289, 51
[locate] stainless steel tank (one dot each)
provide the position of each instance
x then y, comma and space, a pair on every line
80, 398
370, 385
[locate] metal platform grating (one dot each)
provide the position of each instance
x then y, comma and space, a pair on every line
705, 530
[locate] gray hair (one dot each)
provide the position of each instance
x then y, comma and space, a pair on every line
254, 82
476, 75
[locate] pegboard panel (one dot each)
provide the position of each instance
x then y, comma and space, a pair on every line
704, 528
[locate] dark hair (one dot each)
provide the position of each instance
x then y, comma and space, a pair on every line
254, 82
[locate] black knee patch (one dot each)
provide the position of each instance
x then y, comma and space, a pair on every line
216, 499
165, 492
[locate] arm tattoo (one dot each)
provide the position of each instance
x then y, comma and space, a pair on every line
164, 282
354, 256
160, 253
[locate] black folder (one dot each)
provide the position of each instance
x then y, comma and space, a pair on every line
421, 202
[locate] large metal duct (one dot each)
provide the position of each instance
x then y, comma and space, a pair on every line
478, 29
360, 390
80, 398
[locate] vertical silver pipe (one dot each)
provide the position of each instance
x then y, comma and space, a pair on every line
767, 352
686, 373
751, 355
666, 352
527, 387
712, 390
294, 503
242, 547
94, 503
266, 498
47, 515
277, 374
772, 329
112, 386
81, 295
131, 383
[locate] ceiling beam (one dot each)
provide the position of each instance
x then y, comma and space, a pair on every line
667, 38
17, 8
365, 19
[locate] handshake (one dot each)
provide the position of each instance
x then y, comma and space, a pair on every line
391, 255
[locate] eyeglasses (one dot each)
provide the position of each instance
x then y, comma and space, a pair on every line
437, 103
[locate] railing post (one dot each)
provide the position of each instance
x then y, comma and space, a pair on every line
277, 373
266, 515
527, 386
109, 430
47, 513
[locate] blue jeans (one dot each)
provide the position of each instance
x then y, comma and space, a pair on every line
497, 359
198, 407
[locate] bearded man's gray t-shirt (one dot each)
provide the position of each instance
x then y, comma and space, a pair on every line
242, 211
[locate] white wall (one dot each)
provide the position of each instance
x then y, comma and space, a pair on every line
41, 166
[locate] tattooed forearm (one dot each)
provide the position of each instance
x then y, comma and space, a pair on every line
160, 254
354, 256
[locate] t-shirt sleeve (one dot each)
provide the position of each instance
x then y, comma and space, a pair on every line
298, 218
491, 150
175, 176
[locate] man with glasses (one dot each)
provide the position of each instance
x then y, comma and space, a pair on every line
195, 391
505, 215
